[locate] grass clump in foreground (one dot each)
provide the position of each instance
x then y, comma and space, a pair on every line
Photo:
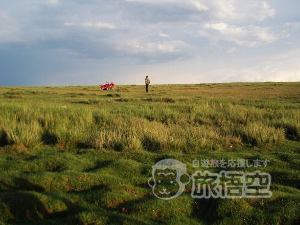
76, 155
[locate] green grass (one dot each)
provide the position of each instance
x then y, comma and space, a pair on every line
77, 155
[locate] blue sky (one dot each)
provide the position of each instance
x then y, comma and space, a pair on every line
76, 42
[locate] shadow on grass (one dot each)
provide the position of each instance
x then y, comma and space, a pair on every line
3, 138
84, 145
32, 205
49, 139
135, 206
284, 210
292, 132
99, 165
283, 178
150, 144
27, 205
204, 210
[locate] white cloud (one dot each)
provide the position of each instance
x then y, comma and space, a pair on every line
288, 56
294, 25
270, 12
261, 11
245, 11
225, 9
154, 1
140, 46
163, 35
146, 46
282, 66
53, 1
98, 25
138, 0
232, 50
10, 30
247, 36
69, 24
199, 6
237, 11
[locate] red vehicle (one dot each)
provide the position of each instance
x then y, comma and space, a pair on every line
107, 86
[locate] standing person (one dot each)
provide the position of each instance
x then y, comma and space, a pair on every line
147, 82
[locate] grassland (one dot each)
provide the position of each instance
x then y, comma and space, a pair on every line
77, 155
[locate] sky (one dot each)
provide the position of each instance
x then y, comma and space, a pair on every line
88, 42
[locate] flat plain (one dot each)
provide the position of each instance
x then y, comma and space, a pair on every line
78, 155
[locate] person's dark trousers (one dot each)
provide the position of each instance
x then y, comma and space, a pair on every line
147, 85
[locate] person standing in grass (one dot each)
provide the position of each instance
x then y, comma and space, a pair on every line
147, 82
